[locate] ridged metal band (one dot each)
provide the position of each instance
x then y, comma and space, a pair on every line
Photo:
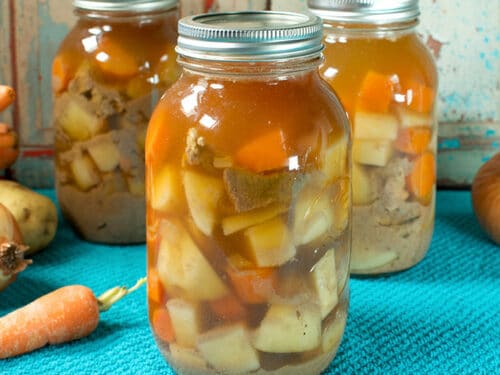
365, 11
136, 6
249, 36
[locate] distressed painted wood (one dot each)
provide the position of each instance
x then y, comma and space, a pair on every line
466, 48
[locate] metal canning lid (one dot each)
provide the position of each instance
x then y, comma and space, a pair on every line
250, 36
125, 5
365, 11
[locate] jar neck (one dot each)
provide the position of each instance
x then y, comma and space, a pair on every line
259, 69
125, 16
370, 29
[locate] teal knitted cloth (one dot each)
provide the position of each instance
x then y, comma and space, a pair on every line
440, 317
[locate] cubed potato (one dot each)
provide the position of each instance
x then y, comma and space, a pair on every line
113, 182
84, 172
367, 260
105, 154
166, 189
187, 357
78, 122
362, 189
324, 280
136, 186
183, 269
332, 334
228, 349
186, 319
334, 164
372, 152
289, 329
408, 118
270, 243
235, 223
313, 215
203, 194
382, 126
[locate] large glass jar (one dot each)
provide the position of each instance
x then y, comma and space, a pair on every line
107, 75
248, 200
386, 79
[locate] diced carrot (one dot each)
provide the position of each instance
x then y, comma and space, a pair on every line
62, 74
421, 180
228, 308
156, 292
113, 59
253, 285
419, 97
162, 325
414, 140
264, 153
376, 92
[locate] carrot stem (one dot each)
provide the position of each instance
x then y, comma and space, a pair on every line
113, 295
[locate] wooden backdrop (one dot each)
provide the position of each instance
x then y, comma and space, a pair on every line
464, 36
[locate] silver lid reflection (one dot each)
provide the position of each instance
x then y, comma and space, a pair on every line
250, 36
125, 5
366, 11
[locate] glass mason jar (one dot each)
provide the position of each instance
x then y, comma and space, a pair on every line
248, 200
107, 76
387, 81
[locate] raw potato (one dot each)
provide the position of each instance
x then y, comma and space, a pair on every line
35, 214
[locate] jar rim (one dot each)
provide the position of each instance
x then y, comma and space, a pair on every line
365, 11
250, 36
136, 6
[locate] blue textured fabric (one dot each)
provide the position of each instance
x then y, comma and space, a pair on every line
440, 317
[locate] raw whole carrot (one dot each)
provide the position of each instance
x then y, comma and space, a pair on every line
162, 325
7, 96
263, 153
414, 140
419, 97
375, 94
421, 180
66, 314
228, 308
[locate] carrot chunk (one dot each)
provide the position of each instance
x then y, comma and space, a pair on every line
264, 153
228, 308
156, 292
62, 74
375, 93
162, 325
419, 97
113, 59
253, 285
414, 140
420, 182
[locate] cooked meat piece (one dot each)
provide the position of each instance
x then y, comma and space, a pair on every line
249, 191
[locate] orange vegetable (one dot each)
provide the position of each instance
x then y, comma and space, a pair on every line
62, 74
420, 182
7, 96
228, 308
264, 153
8, 156
156, 292
253, 285
413, 140
419, 97
376, 92
115, 60
162, 325
66, 314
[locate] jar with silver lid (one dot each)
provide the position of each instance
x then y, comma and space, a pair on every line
107, 76
248, 200
387, 81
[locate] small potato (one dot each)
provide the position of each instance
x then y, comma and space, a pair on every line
35, 214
